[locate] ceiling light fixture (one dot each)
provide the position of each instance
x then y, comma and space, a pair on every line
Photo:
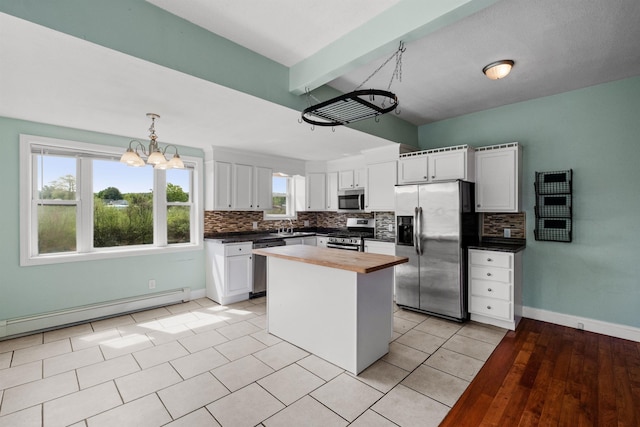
499, 69
155, 155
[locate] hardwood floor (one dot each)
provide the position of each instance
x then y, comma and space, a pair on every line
549, 375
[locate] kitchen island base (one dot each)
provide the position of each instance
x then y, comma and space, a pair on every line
342, 316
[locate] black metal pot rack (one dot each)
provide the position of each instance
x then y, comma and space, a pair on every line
350, 107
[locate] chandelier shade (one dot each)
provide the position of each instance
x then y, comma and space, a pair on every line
155, 155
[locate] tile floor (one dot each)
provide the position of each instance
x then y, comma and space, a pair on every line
202, 364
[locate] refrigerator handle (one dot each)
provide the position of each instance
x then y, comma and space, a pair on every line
416, 232
420, 230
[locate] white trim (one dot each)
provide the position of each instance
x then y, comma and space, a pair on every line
198, 293
51, 320
28, 214
612, 329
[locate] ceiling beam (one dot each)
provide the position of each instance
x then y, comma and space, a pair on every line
406, 21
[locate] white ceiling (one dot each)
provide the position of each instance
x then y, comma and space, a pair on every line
50, 77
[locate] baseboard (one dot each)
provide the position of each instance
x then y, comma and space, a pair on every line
29, 324
592, 325
198, 293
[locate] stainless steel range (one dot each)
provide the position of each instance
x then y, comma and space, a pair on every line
352, 239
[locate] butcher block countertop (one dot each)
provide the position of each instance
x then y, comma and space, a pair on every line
359, 262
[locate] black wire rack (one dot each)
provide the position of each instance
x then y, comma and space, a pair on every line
554, 206
351, 107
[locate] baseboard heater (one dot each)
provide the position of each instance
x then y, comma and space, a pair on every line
55, 319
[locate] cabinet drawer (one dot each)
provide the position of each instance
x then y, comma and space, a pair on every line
491, 307
238, 249
491, 258
491, 289
492, 274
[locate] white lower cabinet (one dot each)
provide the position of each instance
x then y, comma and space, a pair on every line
495, 287
309, 240
321, 241
229, 275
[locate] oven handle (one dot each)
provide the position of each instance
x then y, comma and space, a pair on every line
343, 247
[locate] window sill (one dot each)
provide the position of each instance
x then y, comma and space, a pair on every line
109, 254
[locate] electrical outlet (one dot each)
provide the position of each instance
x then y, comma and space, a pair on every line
255, 225
507, 232
390, 227
152, 284
580, 326
306, 222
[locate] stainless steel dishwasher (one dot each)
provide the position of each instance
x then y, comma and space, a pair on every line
260, 268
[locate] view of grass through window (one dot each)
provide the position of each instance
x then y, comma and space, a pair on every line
122, 205
279, 195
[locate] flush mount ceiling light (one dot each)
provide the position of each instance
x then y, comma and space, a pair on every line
155, 155
357, 105
499, 69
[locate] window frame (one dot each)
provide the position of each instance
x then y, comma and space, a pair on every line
84, 205
292, 213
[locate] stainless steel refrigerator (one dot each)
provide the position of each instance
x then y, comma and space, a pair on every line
434, 224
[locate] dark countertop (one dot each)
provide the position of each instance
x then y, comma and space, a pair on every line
262, 236
500, 245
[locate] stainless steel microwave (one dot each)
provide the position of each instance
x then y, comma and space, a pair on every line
351, 200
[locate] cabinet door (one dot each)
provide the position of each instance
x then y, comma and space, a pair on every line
310, 241
384, 248
239, 274
496, 181
447, 166
263, 186
222, 185
345, 180
381, 181
332, 191
242, 186
293, 241
413, 169
360, 178
321, 241
316, 191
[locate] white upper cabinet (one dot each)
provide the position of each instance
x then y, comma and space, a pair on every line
332, 191
239, 186
360, 178
316, 191
381, 181
413, 169
222, 185
263, 188
498, 178
345, 180
441, 164
242, 185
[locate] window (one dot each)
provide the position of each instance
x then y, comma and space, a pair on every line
79, 202
282, 197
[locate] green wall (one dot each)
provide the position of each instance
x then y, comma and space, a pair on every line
38, 289
140, 29
596, 132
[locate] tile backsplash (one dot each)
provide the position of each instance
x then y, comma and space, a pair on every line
215, 222
493, 224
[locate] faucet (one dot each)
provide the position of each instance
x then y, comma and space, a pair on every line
290, 225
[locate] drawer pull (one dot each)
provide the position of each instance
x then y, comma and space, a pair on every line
488, 307
488, 274
489, 260
490, 290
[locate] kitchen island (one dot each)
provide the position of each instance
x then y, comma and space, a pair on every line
336, 304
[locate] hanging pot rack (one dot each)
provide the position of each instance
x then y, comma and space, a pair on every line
350, 107
359, 104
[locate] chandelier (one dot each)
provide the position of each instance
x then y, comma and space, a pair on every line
154, 154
